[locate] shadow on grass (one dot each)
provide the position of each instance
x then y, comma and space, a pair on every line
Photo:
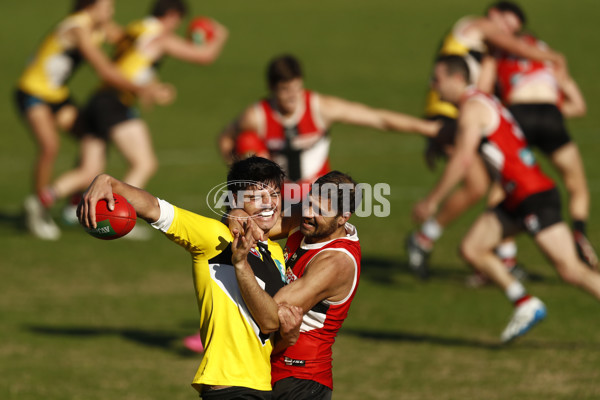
523, 343
170, 341
382, 270
14, 220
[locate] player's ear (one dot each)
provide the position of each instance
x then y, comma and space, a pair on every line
342, 219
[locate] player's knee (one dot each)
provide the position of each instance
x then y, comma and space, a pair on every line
468, 251
572, 272
49, 150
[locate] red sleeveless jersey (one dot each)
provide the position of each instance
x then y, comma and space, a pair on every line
299, 143
310, 358
505, 151
513, 71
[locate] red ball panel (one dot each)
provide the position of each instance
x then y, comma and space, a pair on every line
113, 224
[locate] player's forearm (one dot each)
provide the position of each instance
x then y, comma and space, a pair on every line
574, 104
398, 122
226, 143
453, 173
262, 306
145, 205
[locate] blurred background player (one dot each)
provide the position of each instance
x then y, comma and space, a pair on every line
470, 38
44, 100
538, 98
111, 114
531, 203
291, 126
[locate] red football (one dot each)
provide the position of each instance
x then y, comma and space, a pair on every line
201, 30
113, 224
249, 144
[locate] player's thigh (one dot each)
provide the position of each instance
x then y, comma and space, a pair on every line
66, 116
132, 138
92, 155
477, 179
556, 241
567, 160
42, 123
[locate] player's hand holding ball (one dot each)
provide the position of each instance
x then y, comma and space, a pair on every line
201, 30
104, 214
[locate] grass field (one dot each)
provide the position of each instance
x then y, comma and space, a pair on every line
87, 319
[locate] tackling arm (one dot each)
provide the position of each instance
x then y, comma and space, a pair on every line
515, 45
103, 66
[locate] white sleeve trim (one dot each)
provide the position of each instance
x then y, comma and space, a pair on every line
167, 214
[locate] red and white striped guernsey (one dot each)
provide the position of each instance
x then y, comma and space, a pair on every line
505, 151
310, 358
299, 143
513, 71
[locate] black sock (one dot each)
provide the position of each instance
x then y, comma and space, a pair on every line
579, 225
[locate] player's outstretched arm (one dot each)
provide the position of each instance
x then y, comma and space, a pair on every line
334, 109
204, 54
145, 205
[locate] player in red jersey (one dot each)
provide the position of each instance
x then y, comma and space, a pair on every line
532, 202
538, 97
471, 37
323, 270
294, 122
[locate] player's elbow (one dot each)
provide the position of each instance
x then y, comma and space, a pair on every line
269, 325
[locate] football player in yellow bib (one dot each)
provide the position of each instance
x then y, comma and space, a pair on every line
111, 113
43, 97
236, 359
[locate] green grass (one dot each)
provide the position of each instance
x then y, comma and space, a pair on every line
87, 319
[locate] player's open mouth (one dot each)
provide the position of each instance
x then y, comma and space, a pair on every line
267, 214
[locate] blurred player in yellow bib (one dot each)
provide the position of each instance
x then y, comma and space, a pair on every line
43, 97
111, 113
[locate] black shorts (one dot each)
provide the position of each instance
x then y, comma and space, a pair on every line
300, 389
103, 111
536, 213
235, 393
543, 125
436, 146
25, 101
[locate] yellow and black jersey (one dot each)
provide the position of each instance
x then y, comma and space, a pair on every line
456, 43
131, 56
56, 59
236, 352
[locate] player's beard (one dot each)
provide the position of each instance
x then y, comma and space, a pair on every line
320, 230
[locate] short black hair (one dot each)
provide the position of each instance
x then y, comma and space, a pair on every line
243, 174
347, 196
455, 65
283, 68
509, 6
162, 7
79, 5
